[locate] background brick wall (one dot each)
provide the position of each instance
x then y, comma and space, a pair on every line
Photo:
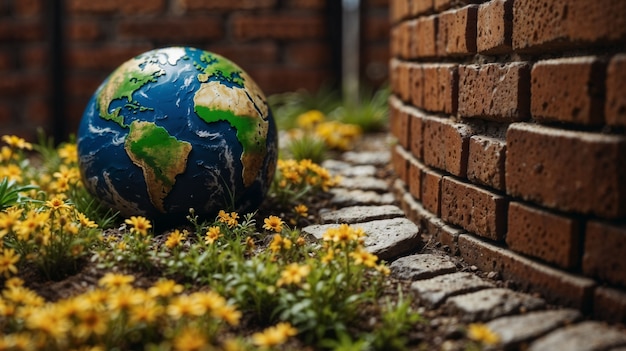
284, 45
510, 117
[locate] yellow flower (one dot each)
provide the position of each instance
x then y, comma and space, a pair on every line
185, 306
17, 142
310, 119
8, 259
124, 300
13, 282
139, 224
165, 288
49, 321
293, 274
330, 255
68, 153
85, 222
228, 313
274, 336
13, 172
147, 312
91, 322
114, 281
363, 257
174, 239
302, 210
342, 234
8, 219
273, 223
481, 333
190, 339
229, 218
212, 234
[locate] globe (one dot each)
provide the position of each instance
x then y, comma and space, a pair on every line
178, 128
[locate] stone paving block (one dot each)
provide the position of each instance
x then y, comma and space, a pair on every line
335, 166
435, 291
484, 305
358, 171
364, 183
422, 266
585, 336
378, 158
386, 238
345, 197
514, 330
358, 214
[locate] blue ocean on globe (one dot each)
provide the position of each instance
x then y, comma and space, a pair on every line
178, 128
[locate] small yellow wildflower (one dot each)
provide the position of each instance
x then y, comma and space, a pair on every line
302, 210
212, 234
68, 153
124, 300
273, 223
8, 219
13, 172
274, 336
84, 221
293, 274
91, 322
17, 142
228, 313
13, 283
190, 339
8, 259
165, 288
310, 119
481, 333
230, 219
49, 321
147, 312
114, 280
250, 243
57, 203
363, 257
175, 239
139, 224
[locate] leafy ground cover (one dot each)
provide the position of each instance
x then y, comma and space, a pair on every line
76, 276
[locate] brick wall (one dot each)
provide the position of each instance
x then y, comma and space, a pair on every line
510, 117
284, 45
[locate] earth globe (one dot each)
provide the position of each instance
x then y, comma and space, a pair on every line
178, 128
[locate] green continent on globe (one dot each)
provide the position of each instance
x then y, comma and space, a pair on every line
160, 156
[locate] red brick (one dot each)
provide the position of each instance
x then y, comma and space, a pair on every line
441, 5
280, 79
104, 58
375, 28
416, 84
307, 4
28, 8
23, 30
406, 32
277, 26
431, 190
83, 85
198, 28
615, 110
494, 91
84, 30
605, 247
446, 145
6, 61
473, 208
456, 34
399, 121
555, 285
495, 27
128, 7
416, 132
546, 24
414, 178
398, 10
485, 163
400, 162
545, 235
394, 77
313, 54
440, 87
404, 81
609, 305
575, 171
221, 5
421, 7
568, 90
424, 37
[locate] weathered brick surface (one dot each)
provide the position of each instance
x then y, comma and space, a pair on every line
277, 26
193, 29
609, 304
400, 161
548, 25
446, 145
440, 87
414, 179
562, 169
485, 163
431, 190
231, 5
615, 109
495, 91
555, 285
473, 208
416, 132
420, 7
568, 90
495, 27
416, 84
604, 250
423, 37
456, 34
539, 233
399, 121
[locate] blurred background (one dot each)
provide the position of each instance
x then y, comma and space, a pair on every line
55, 53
